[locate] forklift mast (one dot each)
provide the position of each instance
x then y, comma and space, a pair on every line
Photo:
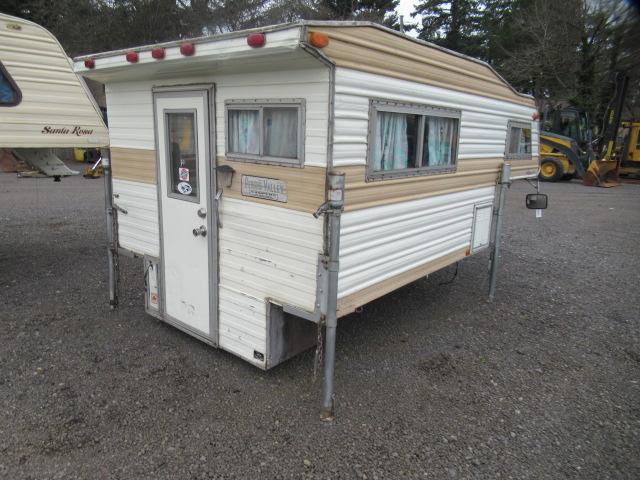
613, 117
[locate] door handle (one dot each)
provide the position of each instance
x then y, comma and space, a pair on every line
201, 230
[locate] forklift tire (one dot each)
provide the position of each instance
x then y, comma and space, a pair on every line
551, 170
568, 177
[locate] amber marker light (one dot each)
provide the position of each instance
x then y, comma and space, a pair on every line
318, 40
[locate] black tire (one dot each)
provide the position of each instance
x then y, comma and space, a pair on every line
554, 172
568, 177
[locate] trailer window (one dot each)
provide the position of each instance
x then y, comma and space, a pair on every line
407, 139
183, 154
519, 140
265, 131
9, 92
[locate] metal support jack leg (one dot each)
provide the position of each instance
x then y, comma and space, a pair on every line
505, 182
112, 247
335, 205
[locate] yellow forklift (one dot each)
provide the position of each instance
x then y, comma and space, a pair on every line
629, 139
566, 143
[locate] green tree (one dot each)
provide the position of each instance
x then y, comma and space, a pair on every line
369, 10
454, 24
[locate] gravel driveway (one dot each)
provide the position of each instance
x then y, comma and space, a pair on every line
432, 381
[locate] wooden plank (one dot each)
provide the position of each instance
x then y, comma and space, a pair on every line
349, 303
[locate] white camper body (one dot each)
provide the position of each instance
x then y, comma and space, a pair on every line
222, 152
43, 103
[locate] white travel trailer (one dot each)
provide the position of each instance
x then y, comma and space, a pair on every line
43, 103
285, 176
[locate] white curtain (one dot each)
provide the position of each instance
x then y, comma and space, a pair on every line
243, 131
439, 140
281, 132
524, 146
391, 146
520, 140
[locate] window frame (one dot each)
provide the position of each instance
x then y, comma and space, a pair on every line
518, 156
381, 105
169, 176
14, 85
260, 104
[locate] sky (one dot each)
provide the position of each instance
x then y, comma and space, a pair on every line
405, 8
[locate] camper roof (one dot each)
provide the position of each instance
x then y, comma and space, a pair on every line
362, 46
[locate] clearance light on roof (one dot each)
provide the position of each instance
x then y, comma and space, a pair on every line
318, 40
132, 57
256, 40
90, 63
187, 49
158, 53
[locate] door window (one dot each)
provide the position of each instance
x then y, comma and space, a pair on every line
182, 154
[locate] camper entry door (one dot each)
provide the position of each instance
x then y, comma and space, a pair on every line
186, 232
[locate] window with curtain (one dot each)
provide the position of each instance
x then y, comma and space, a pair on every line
411, 139
9, 92
519, 141
267, 131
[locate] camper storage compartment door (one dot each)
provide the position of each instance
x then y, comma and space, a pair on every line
481, 227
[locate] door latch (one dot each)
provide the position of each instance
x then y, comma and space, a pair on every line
200, 231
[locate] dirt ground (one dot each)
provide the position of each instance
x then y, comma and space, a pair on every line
432, 381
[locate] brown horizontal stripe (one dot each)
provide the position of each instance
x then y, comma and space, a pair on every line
133, 164
305, 186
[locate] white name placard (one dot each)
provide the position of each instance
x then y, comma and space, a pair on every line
265, 188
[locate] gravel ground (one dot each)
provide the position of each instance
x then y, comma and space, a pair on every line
432, 381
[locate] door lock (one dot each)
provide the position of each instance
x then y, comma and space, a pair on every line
200, 231
202, 213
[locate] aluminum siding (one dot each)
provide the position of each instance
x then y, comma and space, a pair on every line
130, 105
138, 228
483, 128
382, 242
265, 252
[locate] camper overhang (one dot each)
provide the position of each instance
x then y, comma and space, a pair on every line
209, 53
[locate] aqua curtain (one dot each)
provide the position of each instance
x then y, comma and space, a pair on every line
440, 134
244, 134
391, 145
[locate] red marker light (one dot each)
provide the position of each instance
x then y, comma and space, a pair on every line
187, 49
158, 53
90, 63
256, 40
132, 57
